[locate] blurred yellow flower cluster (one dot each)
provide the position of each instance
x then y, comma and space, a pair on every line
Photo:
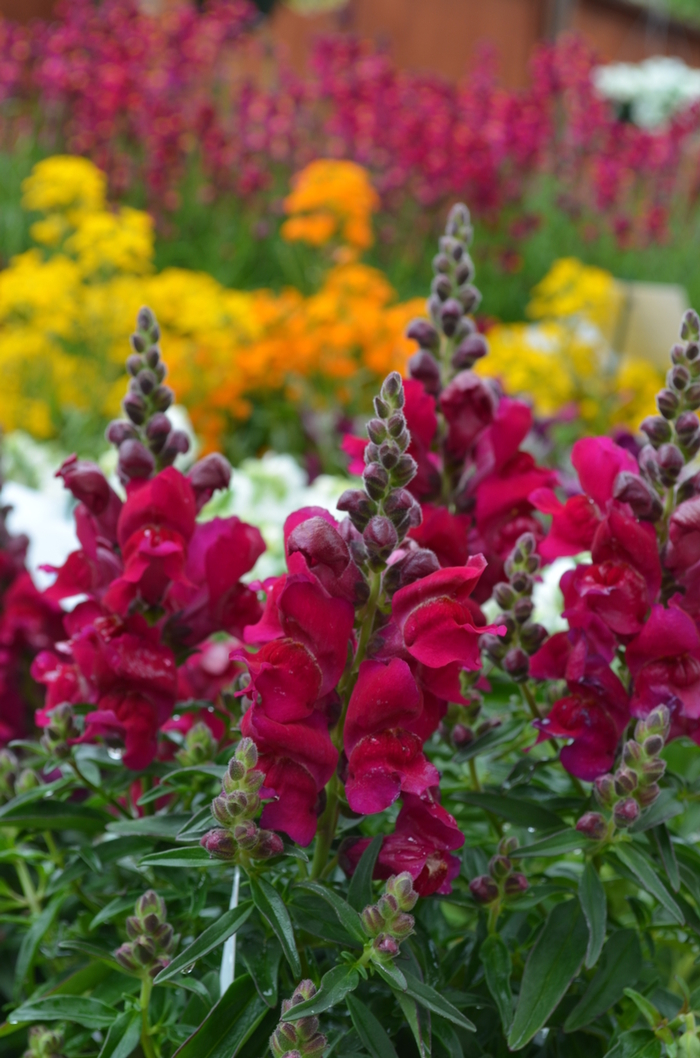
67, 308
568, 357
331, 200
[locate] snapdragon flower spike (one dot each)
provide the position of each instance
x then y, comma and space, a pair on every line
151, 939
523, 636
301, 1037
387, 922
502, 881
237, 836
634, 786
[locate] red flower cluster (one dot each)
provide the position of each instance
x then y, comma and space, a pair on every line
637, 600
158, 585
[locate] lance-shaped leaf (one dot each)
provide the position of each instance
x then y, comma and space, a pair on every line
123, 1036
646, 873
335, 986
497, 970
639, 1043
556, 845
219, 931
431, 999
592, 896
347, 916
360, 891
228, 1025
620, 967
83, 1010
271, 906
517, 810
370, 1029
551, 966
195, 856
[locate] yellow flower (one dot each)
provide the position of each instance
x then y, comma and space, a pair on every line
331, 200
573, 289
64, 184
121, 241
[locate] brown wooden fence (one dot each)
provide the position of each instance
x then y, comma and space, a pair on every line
442, 35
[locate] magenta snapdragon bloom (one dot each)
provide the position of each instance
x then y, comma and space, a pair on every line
664, 660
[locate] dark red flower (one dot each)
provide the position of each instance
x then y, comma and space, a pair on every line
664, 660
424, 836
438, 620
611, 593
312, 538
443, 533
468, 404
384, 756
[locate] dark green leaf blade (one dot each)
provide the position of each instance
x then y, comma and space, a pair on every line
639, 1043
645, 872
520, 811
347, 916
194, 856
123, 1036
360, 891
620, 967
496, 960
556, 845
31, 941
219, 931
228, 1024
85, 1011
432, 1000
662, 840
551, 966
592, 896
270, 905
335, 986
50, 815
370, 1029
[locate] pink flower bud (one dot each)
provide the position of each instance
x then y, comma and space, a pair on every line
604, 788
423, 332
500, 867
592, 825
469, 350
484, 889
424, 367
269, 844
208, 475
220, 844
626, 812
648, 794
515, 884
386, 945
372, 920
135, 461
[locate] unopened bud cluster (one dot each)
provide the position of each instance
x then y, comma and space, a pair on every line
449, 343
512, 651
61, 730
151, 939
146, 439
44, 1043
635, 784
384, 510
387, 922
503, 880
298, 1039
199, 746
673, 434
461, 724
238, 837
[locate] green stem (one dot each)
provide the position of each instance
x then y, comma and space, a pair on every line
144, 1000
326, 828
27, 887
96, 790
474, 775
529, 700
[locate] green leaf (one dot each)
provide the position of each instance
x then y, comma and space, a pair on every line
662, 840
38, 793
90, 1013
360, 891
521, 812
53, 815
370, 1030
196, 825
393, 975
645, 1007
620, 965
551, 966
214, 935
31, 940
592, 896
495, 957
347, 916
416, 1022
556, 845
228, 1024
447, 1037
334, 987
166, 827
112, 909
169, 781
640, 1043
645, 871
263, 965
432, 1000
489, 740
189, 856
271, 906
123, 1036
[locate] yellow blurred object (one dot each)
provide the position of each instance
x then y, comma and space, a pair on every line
567, 358
66, 311
331, 200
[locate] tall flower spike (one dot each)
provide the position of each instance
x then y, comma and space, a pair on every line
298, 1039
384, 510
151, 939
523, 637
146, 440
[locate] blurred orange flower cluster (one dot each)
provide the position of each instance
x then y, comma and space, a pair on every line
331, 200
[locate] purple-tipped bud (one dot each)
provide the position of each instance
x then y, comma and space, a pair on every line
138, 344
653, 745
652, 770
604, 788
670, 460
626, 812
269, 844
424, 367
657, 429
523, 610
386, 945
126, 957
646, 795
690, 327
152, 357
376, 481
401, 508
157, 431
219, 844
515, 884
631, 752
504, 595
634, 490
469, 350
359, 508
516, 663
134, 364
247, 753
423, 332
377, 430
119, 431
392, 390
450, 314
208, 475
470, 298
625, 781
135, 461
484, 889
246, 834
380, 537
441, 285
592, 825
147, 381
372, 920
668, 403
162, 398
135, 408
678, 377
658, 722
500, 867
178, 443
493, 646
400, 886
404, 471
